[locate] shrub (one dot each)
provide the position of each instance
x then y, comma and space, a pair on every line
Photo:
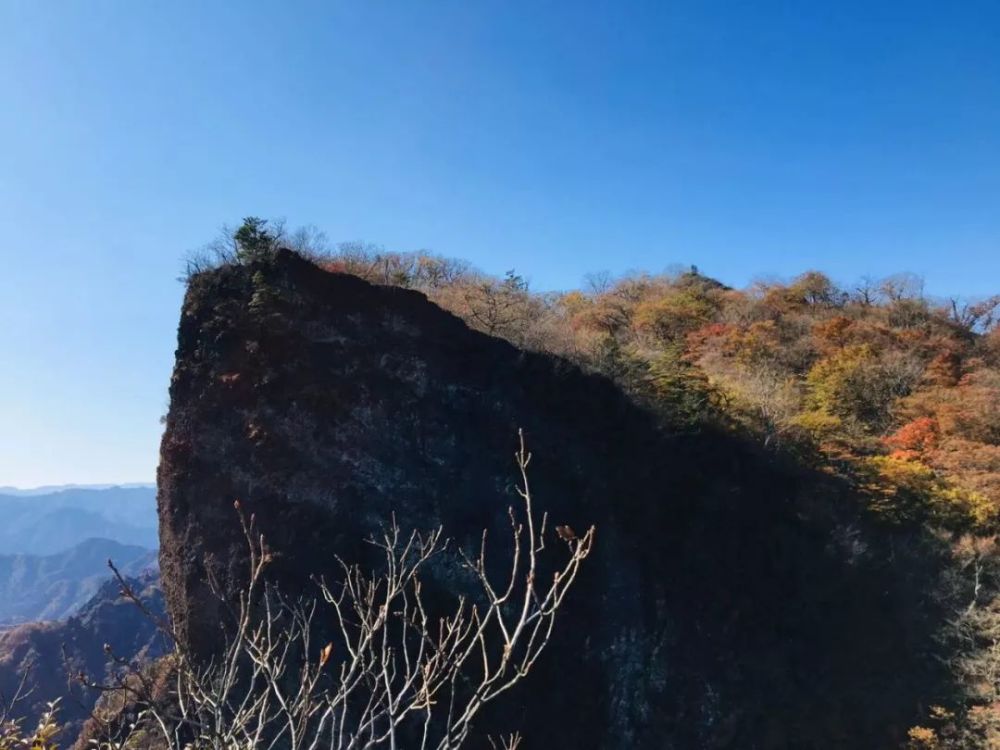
396, 667
42, 737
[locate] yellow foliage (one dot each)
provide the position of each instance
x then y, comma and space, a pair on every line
972, 505
42, 738
818, 424
903, 485
922, 738
828, 378
940, 713
574, 302
671, 316
895, 474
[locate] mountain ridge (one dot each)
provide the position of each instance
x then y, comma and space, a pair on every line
47, 489
53, 587
47, 654
50, 522
326, 404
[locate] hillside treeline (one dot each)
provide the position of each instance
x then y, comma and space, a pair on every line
891, 391
877, 382
895, 392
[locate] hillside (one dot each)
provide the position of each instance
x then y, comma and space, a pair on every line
53, 587
748, 590
894, 393
52, 653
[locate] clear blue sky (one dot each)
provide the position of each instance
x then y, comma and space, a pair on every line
558, 138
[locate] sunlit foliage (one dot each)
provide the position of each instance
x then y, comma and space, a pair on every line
892, 391
43, 736
896, 391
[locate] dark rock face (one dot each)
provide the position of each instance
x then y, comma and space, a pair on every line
726, 604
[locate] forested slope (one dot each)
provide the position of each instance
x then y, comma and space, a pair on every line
893, 393
807, 572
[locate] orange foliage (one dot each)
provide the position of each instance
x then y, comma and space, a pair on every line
804, 361
335, 266
945, 369
699, 338
914, 438
833, 333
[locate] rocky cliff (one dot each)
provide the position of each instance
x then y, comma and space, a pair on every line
733, 600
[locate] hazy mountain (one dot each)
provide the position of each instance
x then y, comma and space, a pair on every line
51, 522
51, 587
48, 489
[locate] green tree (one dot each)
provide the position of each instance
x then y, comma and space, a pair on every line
255, 240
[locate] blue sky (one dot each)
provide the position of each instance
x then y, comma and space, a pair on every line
750, 138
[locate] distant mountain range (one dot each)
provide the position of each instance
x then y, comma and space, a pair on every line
53, 587
58, 602
48, 489
46, 521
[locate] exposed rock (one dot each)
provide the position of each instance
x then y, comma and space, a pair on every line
718, 609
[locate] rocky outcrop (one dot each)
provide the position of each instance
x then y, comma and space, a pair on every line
727, 604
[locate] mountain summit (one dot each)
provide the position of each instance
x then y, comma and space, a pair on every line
734, 598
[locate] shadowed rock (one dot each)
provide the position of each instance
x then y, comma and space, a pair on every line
719, 608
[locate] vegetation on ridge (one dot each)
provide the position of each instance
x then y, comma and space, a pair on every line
878, 384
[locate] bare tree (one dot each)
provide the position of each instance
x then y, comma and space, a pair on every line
902, 286
395, 674
309, 241
979, 315
598, 282
867, 292
500, 308
10, 703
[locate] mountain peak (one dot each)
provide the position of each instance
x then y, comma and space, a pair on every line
329, 406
